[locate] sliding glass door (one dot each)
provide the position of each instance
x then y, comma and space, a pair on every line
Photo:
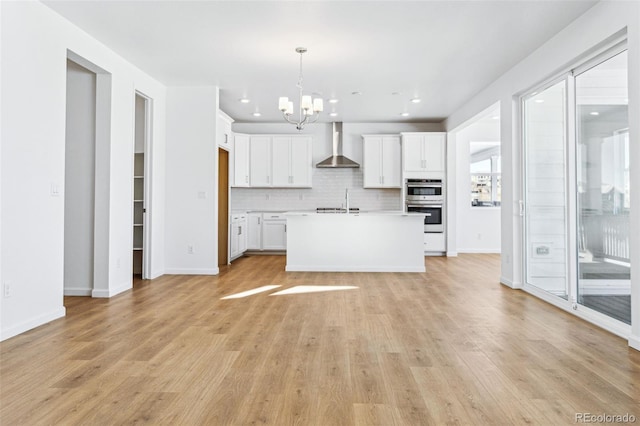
545, 130
576, 194
603, 188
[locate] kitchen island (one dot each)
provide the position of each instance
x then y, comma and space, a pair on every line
361, 242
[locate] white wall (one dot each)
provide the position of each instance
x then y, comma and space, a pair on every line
598, 24
35, 43
79, 181
328, 184
192, 173
477, 228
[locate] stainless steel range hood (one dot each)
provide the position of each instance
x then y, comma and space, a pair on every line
337, 160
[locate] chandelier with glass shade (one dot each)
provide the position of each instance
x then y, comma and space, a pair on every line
309, 110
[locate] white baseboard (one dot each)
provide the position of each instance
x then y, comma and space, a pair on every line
156, 274
329, 268
509, 283
452, 254
32, 323
634, 342
77, 291
198, 271
102, 293
480, 251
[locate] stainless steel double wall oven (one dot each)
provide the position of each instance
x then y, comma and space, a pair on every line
426, 196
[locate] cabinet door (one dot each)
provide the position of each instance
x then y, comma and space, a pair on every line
254, 231
241, 160
260, 161
434, 145
372, 161
434, 242
301, 164
281, 160
391, 162
412, 156
274, 234
242, 235
223, 130
235, 242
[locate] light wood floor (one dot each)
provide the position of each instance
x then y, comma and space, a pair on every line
451, 346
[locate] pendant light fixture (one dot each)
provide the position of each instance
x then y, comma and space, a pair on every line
309, 110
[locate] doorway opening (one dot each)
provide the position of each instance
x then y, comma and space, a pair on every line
141, 183
87, 138
223, 207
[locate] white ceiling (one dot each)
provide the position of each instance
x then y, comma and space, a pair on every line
443, 52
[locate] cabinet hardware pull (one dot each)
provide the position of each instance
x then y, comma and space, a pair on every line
239, 230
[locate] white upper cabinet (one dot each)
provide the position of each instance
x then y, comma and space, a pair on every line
382, 161
260, 161
423, 152
224, 136
241, 160
280, 161
293, 161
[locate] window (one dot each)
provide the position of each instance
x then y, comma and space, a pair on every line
485, 168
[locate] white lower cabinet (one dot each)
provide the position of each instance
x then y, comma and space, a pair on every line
238, 235
434, 242
266, 231
274, 231
254, 231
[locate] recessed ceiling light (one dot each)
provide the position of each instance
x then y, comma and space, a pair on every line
333, 114
539, 101
356, 93
333, 101
405, 114
594, 113
416, 100
256, 114
244, 100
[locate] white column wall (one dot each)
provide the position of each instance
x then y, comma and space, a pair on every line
477, 229
192, 174
35, 41
598, 24
79, 182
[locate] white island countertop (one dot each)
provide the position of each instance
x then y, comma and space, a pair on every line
376, 241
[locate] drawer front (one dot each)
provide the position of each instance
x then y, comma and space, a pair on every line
273, 216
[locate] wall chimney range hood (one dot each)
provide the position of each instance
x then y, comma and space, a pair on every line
337, 160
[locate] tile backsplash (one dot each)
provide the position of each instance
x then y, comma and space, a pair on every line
328, 191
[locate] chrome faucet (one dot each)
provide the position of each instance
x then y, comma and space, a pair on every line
346, 199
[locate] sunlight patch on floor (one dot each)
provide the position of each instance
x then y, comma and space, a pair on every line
313, 289
250, 292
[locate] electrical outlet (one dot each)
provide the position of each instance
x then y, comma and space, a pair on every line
190, 250
479, 236
6, 290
